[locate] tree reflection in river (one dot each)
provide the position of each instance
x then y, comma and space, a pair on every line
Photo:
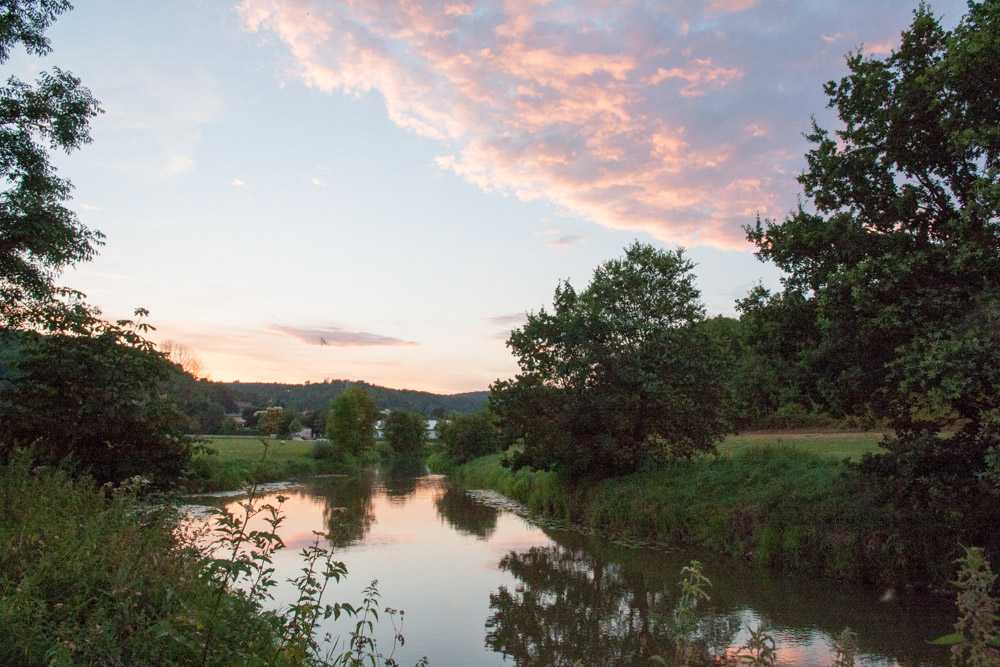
348, 509
465, 514
572, 605
399, 477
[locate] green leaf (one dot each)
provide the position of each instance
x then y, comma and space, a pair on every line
948, 640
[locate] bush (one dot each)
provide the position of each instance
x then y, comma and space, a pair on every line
324, 450
467, 437
93, 392
91, 579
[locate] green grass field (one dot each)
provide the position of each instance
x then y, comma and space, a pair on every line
251, 449
833, 445
236, 461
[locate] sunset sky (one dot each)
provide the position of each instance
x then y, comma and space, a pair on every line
378, 190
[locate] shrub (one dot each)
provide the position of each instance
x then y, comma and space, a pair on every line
324, 450
467, 437
93, 392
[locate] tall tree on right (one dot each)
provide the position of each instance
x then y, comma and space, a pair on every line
898, 257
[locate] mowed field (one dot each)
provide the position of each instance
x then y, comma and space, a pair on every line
834, 445
837, 445
251, 449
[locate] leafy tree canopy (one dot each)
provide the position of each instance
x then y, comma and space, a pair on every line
466, 437
895, 272
615, 376
95, 393
351, 421
405, 431
39, 236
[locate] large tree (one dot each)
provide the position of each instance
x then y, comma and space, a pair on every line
39, 235
896, 262
405, 431
350, 423
94, 393
900, 254
616, 376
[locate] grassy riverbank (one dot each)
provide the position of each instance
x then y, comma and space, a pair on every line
232, 462
782, 500
91, 579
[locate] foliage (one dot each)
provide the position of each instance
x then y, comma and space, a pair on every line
845, 648
891, 307
617, 376
683, 621
466, 437
93, 392
92, 577
39, 236
324, 449
405, 431
976, 640
759, 649
768, 503
351, 421
894, 279
239, 563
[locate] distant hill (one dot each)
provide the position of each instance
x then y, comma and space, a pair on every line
317, 396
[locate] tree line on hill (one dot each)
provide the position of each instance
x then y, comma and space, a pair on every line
211, 408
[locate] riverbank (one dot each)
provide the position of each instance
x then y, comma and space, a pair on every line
783, 500
229, 463
93, 578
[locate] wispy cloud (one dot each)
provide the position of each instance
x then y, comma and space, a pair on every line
507, 324
238, 184
88, 207
337, 337
168, 109
512, 320
317, 182
633, 115
564, 241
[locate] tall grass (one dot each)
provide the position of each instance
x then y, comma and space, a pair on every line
775, 505
93, 575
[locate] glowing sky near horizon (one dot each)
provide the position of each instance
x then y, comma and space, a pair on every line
378, 190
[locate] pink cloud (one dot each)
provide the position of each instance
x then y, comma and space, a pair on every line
731, 5
634, 116
512, 320
336, 337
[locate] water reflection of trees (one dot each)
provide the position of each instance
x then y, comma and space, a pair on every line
348, 510
584, 599
399, 477
571, 605
465, 514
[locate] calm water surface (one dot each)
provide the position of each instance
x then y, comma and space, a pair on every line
481, 585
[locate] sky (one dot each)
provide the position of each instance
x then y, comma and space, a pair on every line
379, 190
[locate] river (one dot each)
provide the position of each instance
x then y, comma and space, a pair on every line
483, 585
